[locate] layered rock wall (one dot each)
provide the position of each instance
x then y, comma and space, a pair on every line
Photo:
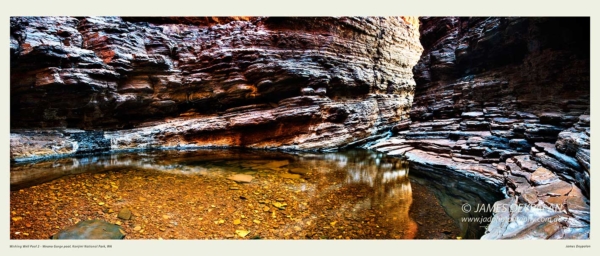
100, 83
511, 86
507, 100
501, 66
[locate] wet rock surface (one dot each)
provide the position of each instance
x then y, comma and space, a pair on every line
131, 83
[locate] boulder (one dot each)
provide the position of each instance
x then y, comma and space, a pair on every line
92, 230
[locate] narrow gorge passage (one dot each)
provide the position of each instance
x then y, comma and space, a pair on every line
112, 117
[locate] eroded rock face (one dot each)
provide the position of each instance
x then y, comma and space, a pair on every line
500, 66
519, 80
497, 88
295, 83
507, 100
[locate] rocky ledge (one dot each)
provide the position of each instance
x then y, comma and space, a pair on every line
89, 84
561, 210
506, 101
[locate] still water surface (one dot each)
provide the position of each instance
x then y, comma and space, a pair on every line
354, 194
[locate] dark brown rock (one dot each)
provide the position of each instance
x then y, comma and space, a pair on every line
125, 214
401, 126
519, 184
478, 73
526, 163
529, 195
551, 118
555, 189
542, 176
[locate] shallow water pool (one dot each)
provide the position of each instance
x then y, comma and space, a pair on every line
239, 194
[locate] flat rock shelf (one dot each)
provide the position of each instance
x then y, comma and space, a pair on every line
239, 194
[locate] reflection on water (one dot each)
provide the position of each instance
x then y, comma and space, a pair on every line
350, 194
387, 177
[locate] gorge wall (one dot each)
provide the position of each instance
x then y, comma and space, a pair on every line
107, 83
506, 101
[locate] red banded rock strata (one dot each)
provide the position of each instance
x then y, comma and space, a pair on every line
521, 80
521, 83
295, 83
299, 123
512, 93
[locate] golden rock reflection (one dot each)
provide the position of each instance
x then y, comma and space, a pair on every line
391, 191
